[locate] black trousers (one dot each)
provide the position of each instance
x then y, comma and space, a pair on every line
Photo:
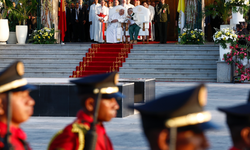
76, 30
163, 31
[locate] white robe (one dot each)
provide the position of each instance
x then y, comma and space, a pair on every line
152, 14
92, 17
126, 7
115, 29
98, 36
130, 6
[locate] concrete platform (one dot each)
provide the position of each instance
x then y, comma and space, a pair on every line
57, 96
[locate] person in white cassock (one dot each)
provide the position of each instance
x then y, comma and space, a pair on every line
114, 31
92, 16
129, 5
102, 13
110, 4
124, 4
152, 14
116, 3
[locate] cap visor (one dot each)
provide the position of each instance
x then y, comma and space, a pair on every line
25, 87
208, 126
113, 95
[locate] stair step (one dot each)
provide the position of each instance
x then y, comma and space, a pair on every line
166, 69
184, 52
168, 65
41, 52
46, 46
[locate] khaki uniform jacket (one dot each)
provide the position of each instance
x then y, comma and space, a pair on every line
162, 13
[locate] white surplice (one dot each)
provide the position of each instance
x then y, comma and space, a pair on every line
130, 6
114, 31
152, 14
98, 36
92, 16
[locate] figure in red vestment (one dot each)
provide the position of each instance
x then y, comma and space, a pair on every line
14, 95
74, 136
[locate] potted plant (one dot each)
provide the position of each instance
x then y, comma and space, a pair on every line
190, 36
224, 37
12, 25
22, 10
239, 56
237, 7
43, 36
219, 10
4, 27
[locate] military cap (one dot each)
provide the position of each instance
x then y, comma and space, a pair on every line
180, 110
101, 83
237, 115
11, 78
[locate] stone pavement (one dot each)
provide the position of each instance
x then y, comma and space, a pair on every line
126, 133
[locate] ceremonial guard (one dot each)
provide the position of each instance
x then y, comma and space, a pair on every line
16, 106
98, 94
162, 18
177, 121
238, 122
92, 20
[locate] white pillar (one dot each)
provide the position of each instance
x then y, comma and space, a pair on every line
55, 19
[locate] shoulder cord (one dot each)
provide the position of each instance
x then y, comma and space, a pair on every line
81, 130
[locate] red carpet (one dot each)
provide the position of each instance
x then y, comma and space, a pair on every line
102, 58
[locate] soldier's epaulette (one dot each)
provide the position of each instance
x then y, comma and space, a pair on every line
81, 129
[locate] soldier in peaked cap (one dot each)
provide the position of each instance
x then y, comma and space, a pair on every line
177, 121
238, 122
79, 134
16, 106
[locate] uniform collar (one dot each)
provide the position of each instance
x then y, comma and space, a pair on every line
81, 115
84, 118
233, 148
15, 132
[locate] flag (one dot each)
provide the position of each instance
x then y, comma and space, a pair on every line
181, 10
62, 26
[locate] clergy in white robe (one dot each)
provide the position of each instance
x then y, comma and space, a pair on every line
102, 13
126, 7
114, 32
129, 5
92, 16
152, 14
116, 3
110, 4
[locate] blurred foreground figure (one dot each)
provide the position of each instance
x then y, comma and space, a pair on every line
98, 94
238, 121
177, 121
16, 106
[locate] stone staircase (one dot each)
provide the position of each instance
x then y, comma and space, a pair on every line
172, 62
44, 61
